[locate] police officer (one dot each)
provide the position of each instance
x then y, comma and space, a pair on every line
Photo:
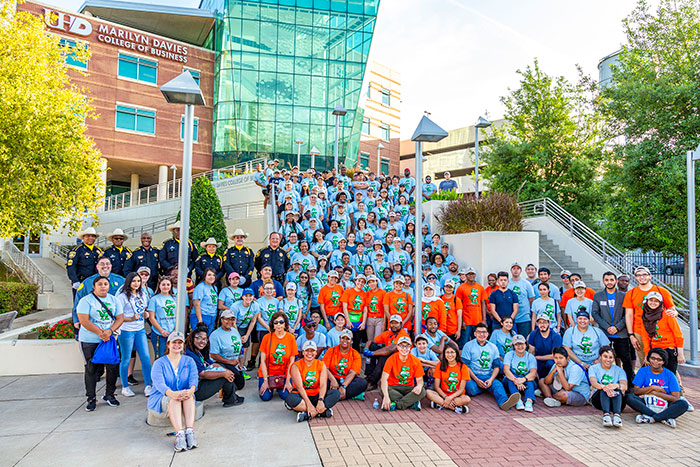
273, 256
240, 259
144, 256
209, 259
82, 259
118, 254
169, 252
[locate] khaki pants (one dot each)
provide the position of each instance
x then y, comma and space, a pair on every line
375, 326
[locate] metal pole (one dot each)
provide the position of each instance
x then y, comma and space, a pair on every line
692, 266
418, 291
379, 161
183, 252
335, 151
476, 162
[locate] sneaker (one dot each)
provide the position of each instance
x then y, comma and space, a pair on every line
617, 421
461, 410
191, 440
328, 413
246, 376
520, 405
235, 400
251, 364
417, 406
690, 406
392, 407
359, 397
551, 402
538, 392
607, 421
132, 380
91, 405
528, 406
302, 417
511, 401
180, 442
669, 422
127, 392
111, 400
641, 419
286, 406
147, 390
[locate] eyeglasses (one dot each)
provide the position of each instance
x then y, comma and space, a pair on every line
201, 338
279, 321
656, 359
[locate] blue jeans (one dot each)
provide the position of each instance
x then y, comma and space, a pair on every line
267, 395
159, 343
523, 328
128, 340
496, 389
210, 321
466, 336
528, 393
543, 367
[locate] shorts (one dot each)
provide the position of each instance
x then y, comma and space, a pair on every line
242, 332
573, 398
259, 336
265, 191
164, 404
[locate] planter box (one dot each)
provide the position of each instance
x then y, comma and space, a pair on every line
489, 252
430, 208
40, 357
31, 335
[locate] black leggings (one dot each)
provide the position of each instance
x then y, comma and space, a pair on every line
238, 379
672, 363
674, 409
624, 351
356, 387
332, 398
601, 401
209, 387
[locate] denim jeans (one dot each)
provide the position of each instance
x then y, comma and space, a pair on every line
528, 393
543, 367
159, 343
496, 389
523, 328
674, 409
601, 401
129, 340
206, 319
267, 395
466, 336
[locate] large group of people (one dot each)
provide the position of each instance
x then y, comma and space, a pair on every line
326, 312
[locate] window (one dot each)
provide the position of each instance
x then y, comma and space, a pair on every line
70, 56
385, 132
138, 69
138, 120
195, 130
194, 73
385, 166
386, 97
364, 161
365, 126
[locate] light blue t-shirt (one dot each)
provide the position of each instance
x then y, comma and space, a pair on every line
268, 307
318, 338
98, 316
520, 366
225, 343
244, 314
209, 299
429, 355
434, 340
502, 340
573, 304
612, 376
229, 295
585, 344
333, 337
481, 359
523, 289
575, 375
164, 309
548, 307
292, 308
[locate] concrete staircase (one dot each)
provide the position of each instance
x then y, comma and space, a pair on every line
554, 258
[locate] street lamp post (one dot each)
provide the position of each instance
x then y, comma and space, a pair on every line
339, 111
299, 143
380, 146
313, 153
427, 131
692, 261
174, 169
184, 90
481, 123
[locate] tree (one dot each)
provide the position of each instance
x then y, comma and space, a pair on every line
50, 175
652, 106
206, 216
550, 144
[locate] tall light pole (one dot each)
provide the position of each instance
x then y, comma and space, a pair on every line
174, 169
183, 89
380, 146
313, 153
427, 131
481, 123
299, 143
339, 111
692, 261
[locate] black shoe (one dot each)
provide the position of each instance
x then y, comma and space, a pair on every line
91, 405
251, 365
328, 413
235, 400
132, 380
111, 400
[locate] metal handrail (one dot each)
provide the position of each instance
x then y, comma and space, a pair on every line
552, 259
27, 267
173, 188
605, 251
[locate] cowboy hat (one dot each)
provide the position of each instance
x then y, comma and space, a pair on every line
174, 226
88, 231
117, 233
238, 233
210, 241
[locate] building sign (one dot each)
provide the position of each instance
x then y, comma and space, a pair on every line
117, 36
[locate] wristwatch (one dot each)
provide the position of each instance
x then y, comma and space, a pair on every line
320, 399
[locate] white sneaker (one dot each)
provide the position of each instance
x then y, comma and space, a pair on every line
127, 392
669, 422
528, 406
690, 406
538, 392
462, 410
147, 390
520, 405
607, 421
551, 402
617, 421
641, 419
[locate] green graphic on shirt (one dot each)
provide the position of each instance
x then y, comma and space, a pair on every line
402, 260
104, 316
439, 273
474, 296
292, 313
278, 354
426, 310
485, 360
521, 368
516, 289
606, 379
400, 305
373, 303
403, 375
452, 381
586, 345
357, 303
507, 345
342, 367
235, 345
305, 264
310, 379
169, 308
656, 333
335, 297
549, 311
213, 296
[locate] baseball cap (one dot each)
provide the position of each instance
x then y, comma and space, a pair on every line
308, 321
227, 314
333, 274
467, 271
582, 312
515, 263
404, 340
655, 295
233, 274
565, 272
398, 279
642, 269
144, 268
346, 333
543, 316
448, 284
309, 345
247, 291
372, 278
421, 338
361, 276
395, 318
519, 339
176, 336
296, 261
291, 286
578, 284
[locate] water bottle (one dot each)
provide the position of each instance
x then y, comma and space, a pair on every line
375, 404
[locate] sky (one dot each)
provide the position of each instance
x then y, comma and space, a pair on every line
458, 57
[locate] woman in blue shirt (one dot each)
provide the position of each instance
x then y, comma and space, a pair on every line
162, 315
520, 370
175, 380
503, 337
205, 301
231, 294
610, 384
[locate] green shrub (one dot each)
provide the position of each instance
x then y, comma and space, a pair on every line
493, 212
17, 296
446, 196
206, 216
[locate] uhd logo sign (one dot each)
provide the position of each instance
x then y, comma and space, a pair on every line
68, 23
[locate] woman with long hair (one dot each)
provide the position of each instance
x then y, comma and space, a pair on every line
451, 376
161, 308
277, 352
134, 303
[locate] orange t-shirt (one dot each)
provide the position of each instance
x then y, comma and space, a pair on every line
435, 309
635, 299
329, 296
398, 305
403, 373
375, 303
388, 337
340, 364
487, 294
571, 293
451, 378
471, 297
278, 353
356, 303
453, 306
310, 376
668, 334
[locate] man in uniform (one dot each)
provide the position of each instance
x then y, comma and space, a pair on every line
82, 259
209, 259
240, 259
169, 253
273, 256
145, 255
118, 254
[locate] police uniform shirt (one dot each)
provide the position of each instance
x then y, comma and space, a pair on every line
170, 253
82, 262
118, 257
143, 257
277, 259
242, 261
206, 261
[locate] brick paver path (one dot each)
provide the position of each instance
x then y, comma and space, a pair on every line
360, 435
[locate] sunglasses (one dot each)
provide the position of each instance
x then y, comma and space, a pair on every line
312, 325
279, 321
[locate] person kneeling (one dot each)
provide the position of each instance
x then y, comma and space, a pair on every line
344, 365
520, 369
451, 378
310, 395
566, 383
173, 391
402, 379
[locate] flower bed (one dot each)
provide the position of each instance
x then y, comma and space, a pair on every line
60, 330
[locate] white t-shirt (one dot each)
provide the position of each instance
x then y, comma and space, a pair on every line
137, 304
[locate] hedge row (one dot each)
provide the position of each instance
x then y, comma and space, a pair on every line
17, 296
